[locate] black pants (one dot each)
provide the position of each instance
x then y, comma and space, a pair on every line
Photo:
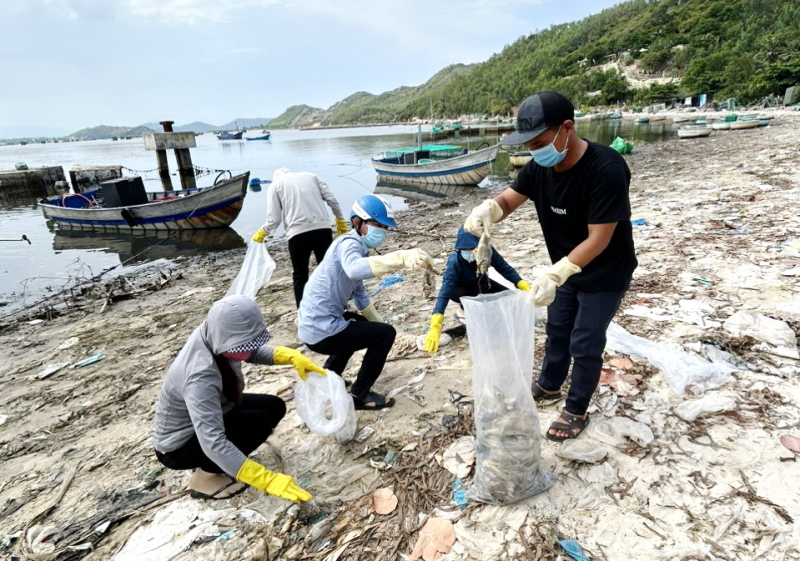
246, 426
301, 247
576, 331
462, 290
377, 338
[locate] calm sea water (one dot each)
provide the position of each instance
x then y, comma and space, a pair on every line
341, 157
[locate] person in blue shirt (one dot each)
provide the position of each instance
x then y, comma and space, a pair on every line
461, 278
324, 322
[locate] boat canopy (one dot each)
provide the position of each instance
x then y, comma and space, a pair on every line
432, 148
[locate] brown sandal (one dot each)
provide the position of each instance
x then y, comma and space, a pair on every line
574, 425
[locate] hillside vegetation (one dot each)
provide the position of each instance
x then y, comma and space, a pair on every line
638, 52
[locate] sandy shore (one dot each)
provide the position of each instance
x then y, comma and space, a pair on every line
723, 232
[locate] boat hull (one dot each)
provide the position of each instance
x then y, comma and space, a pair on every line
746, 124
210, 207
519, 159
694, 131
469, 169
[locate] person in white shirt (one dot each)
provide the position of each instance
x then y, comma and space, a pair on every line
298, 200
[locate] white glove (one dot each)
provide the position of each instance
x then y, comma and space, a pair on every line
415, 259
543, 289
483, 216
372, 314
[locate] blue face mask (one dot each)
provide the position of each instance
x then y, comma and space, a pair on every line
549, 156
375, 236
467, 256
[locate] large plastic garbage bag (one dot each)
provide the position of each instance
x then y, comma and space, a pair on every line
508, 443
683, 371
256, 271
326, 407
622, 146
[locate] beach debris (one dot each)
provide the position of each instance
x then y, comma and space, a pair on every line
257, 269
622, 384
36, 322
712, 402
192, 292
639, 222
326, 407
384, 501
483, 253
364, 434
69, 343
613, 431
459, 457
774, 332
791, 443
3, 419
429, 284
682, 370
392, 279
444, 340
582, 450
623, 363
449, 421
573, 549
459, 494
90, 360
49, 370
436, 538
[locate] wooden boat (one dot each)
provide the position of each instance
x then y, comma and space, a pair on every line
694, 131
435, 165
743, 124
680, 120
658, 117
263, 136
721, 125
187, 209
519, 159
642, 121
228, 135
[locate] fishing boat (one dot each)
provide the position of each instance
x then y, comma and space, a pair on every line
435, 164
519, 159
741, 124
642, 121
230, 135
721, 125
199, 208
679, 120
694, 131
263, 136
658, 117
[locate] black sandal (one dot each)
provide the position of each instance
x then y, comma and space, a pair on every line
539, 394
213, 496
372, 402
574, 427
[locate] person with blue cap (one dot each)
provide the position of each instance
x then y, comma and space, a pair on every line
324, 323
580, 190
461, 278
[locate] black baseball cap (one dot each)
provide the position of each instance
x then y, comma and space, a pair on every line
536, 114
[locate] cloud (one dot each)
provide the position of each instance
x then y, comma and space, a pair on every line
97, 10
192, 12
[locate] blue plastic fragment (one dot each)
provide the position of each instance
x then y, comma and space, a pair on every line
392, 279
460, 494
226, 536
640, 222
91, 360
573, 549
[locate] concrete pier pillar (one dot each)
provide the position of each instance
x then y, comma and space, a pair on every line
160, 142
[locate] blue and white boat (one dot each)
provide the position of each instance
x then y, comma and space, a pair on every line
263, 136
200, 208
435, 164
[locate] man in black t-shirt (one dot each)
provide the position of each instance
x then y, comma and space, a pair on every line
580, 190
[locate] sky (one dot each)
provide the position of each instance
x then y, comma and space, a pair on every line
70, 64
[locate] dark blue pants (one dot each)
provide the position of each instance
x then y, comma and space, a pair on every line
576, 332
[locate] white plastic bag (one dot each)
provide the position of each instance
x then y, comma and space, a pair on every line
508, 444
326, 407
682, 370
257, 269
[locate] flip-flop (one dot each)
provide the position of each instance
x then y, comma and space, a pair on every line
378, 402
540, 395
574, 427
213, 496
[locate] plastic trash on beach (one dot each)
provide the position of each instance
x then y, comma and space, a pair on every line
508, 442
708, 404
325, 406
682, 370
622, 146
256, 271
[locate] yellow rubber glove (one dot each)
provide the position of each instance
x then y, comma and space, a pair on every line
483, 215
260, 234
286, 355
276, 484
372, 314
341, 227
415, 259
523, 285
543, 289
434, 332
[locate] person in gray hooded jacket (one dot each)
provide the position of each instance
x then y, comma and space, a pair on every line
204, 421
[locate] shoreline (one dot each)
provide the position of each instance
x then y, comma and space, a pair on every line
723, 209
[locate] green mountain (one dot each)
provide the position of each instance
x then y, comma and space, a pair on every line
637, 52
105, 131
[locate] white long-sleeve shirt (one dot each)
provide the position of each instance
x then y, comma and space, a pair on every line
298, 200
